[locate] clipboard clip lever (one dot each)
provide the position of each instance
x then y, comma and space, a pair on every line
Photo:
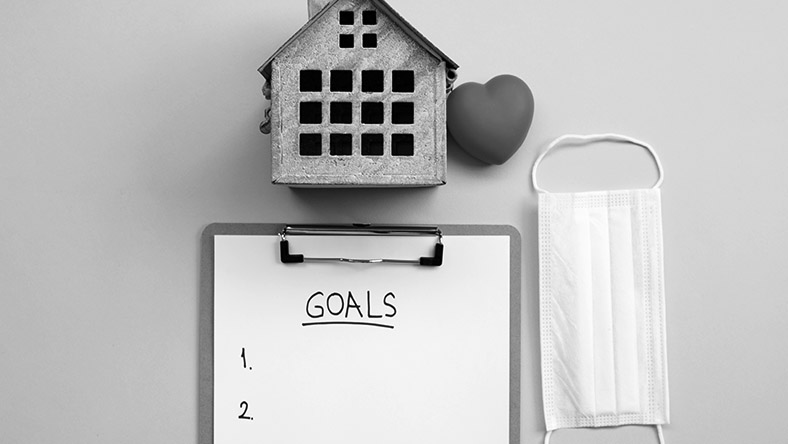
359, 230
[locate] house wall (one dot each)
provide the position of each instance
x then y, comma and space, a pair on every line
318, 49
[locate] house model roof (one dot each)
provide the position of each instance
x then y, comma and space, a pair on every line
385, 8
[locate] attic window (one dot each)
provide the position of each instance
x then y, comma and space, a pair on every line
311, 80
369, 40
402, 81
369, 18
345, 17
341, 80
402, 144
402, 113
346, 40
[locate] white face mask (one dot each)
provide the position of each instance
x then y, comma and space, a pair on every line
602, 304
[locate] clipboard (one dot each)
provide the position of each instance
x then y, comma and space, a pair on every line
408, 334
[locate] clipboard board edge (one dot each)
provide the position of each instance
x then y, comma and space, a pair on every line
205, 317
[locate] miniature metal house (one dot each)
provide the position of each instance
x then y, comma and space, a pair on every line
358, 98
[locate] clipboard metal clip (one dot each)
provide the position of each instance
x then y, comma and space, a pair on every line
359, 230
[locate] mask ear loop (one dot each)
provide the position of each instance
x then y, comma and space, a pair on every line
590, 139
547, 436
661, 438
659, 434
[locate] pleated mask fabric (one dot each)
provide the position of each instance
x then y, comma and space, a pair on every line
602, 304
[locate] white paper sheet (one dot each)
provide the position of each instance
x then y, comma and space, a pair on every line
347, 353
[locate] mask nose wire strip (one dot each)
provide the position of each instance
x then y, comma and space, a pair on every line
595, 138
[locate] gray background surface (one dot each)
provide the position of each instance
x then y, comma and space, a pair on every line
127, 127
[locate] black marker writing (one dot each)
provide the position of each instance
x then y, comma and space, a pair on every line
344, 308
393, 308
313, 313
350, 299
369, 309
245, 406
341, 303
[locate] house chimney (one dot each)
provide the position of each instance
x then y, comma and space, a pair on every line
316, 6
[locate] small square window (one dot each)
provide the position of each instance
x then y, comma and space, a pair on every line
345, 17
369, 40
402, 113
342, 80
311, 112
311, 80
346, 40
372, 112
341, 112
372, 144
402, 144
402, 81
372, 81
369, 18
341, 144
310, 145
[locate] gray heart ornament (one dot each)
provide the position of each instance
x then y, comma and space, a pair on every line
490, 121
